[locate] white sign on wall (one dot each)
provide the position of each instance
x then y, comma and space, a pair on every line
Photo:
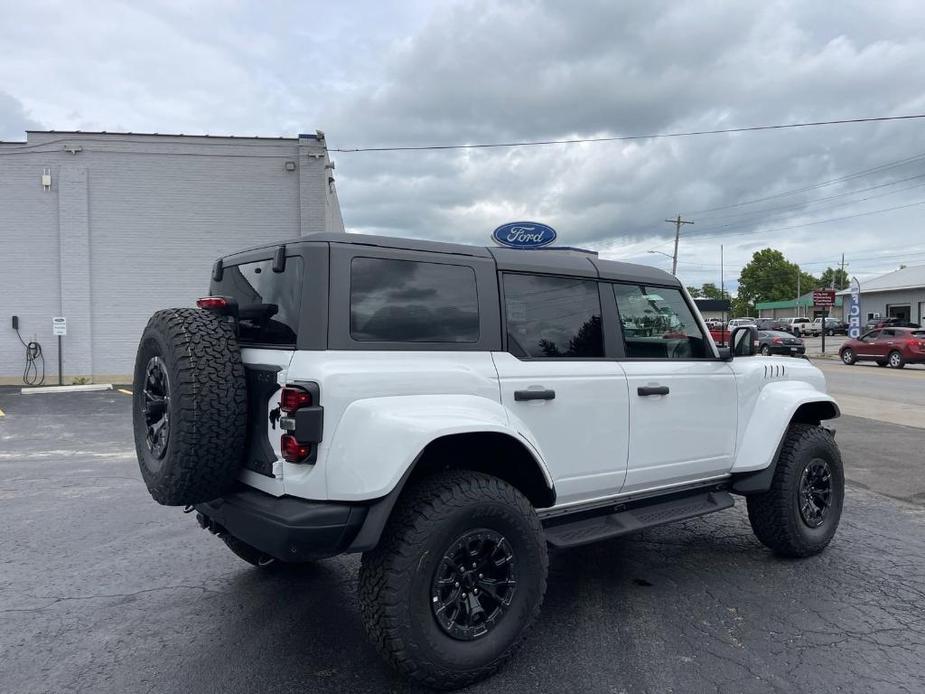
59, 325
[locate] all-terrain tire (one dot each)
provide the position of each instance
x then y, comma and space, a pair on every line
775, 515
206, 407
397, 578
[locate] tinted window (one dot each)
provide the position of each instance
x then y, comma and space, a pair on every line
552, 317
872, 335
658, 324
268, 302
411, 301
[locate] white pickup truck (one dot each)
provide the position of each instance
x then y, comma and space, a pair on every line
453, 413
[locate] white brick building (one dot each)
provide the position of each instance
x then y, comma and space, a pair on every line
132, 223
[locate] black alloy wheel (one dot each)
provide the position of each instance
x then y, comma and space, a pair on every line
473, 584
815, 492
155, 407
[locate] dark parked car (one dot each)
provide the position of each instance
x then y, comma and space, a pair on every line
770, 324
889, 323
780, 342
894, 347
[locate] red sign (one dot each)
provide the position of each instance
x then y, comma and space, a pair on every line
824, 297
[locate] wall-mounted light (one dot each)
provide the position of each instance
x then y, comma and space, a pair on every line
46, 180
290, 166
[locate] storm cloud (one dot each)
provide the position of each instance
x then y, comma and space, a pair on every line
466, 72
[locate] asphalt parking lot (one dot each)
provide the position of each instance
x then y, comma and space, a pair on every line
102, 590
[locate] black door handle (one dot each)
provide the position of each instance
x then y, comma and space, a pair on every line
652, 390
520, 395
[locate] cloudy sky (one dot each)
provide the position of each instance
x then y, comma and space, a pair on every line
415, 73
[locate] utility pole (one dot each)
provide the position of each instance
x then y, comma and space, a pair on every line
842, 268
677, 234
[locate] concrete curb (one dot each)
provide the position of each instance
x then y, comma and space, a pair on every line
67, 389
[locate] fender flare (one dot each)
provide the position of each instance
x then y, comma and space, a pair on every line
427, 419
776, 410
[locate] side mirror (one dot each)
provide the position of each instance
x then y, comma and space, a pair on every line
725, 353
744, 341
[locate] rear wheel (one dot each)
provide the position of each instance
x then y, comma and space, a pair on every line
799, 514
895, 360
848, 356
456, 580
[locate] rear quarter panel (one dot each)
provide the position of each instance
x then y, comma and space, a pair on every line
381, 408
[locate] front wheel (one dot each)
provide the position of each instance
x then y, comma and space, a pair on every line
799, 514
765, 350
895, 360
456, 580
848, 356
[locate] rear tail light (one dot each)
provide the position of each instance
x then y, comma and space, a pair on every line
291, 399
212, 303
292, 450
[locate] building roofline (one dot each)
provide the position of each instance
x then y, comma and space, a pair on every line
877, 290
217, 137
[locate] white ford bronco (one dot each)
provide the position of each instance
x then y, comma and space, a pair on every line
453, 412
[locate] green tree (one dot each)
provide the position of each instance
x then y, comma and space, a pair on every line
711, 291
707, 291
834, 277
769, 276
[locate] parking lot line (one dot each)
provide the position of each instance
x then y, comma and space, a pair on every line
123, 390
2, 413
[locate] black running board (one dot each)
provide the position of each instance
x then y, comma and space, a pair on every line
584, 529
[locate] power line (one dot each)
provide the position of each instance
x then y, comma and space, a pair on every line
808, 224
750, 219
815, 201
856, 174
625, 138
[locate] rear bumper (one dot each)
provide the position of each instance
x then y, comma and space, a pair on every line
785, 350
287, 528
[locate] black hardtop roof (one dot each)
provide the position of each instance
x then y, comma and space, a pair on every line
558, 261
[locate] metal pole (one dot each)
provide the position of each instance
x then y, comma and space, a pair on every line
60, 376
677, 234
722, 293
825, 314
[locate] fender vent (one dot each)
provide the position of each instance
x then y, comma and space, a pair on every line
774, 371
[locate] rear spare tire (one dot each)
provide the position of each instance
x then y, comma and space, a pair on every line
189, 407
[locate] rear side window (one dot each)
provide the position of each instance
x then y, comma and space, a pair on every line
658, 324
412, 301
552, 317
269, 302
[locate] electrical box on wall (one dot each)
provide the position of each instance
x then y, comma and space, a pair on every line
46, 179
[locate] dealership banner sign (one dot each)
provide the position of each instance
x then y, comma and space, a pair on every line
854, 309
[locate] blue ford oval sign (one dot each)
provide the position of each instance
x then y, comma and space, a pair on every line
524, 235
